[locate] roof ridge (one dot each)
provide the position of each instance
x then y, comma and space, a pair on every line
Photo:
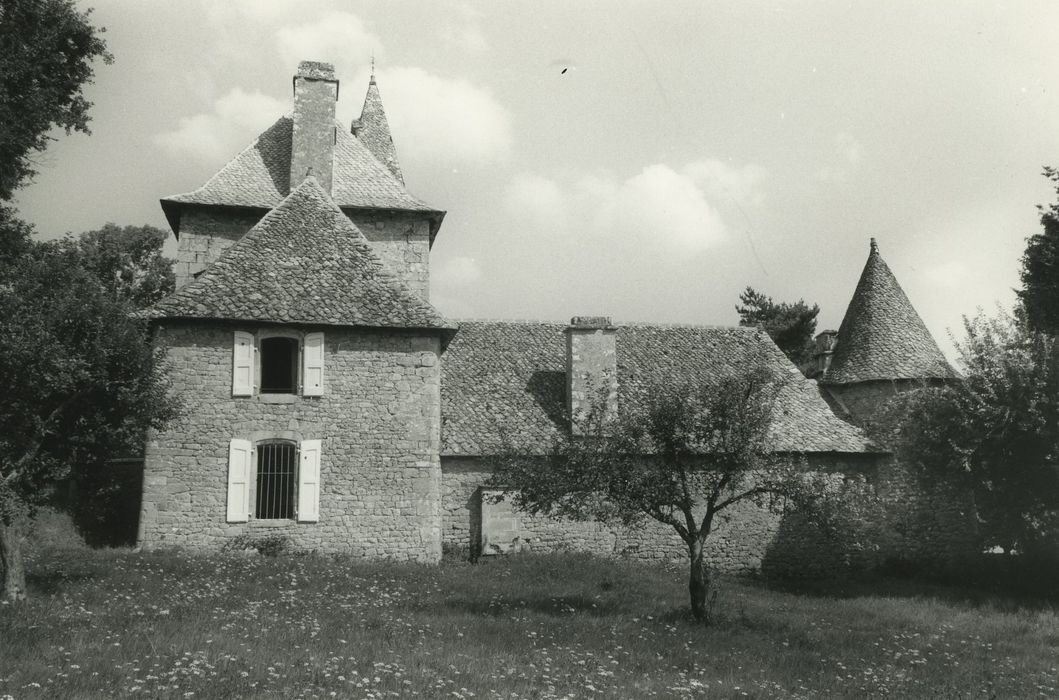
237, 156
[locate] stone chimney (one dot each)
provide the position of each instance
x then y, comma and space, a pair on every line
826, 341
313, 138
591, 370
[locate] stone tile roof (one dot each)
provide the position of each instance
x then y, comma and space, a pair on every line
373, 130
304, 262
881, 336
259, 177
509, 377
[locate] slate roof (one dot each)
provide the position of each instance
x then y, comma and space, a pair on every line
508, 377
881, 336
259, 178
373, 130
304, 262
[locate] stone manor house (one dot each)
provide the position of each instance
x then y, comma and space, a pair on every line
328, 402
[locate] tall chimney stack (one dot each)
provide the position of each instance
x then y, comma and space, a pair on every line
313, 137
591, 371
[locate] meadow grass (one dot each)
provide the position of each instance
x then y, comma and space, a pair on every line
114, 623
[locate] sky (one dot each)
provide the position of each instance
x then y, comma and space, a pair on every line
642, 160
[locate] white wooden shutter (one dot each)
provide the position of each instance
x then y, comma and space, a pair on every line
309, 482
313, 365
243, 364
240, 462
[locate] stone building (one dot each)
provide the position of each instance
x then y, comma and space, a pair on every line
327, 402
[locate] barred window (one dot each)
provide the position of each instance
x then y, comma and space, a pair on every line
276, 478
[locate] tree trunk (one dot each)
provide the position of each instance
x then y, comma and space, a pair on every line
699, 583
11, 567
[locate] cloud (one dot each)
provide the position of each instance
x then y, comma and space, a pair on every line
661, 206
441, 120
849, 154
459, 271
235, 120
725, 182
948, 275
340, 38
463, 31
536, 199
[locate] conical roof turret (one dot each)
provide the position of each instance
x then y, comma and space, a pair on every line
373, 130
881, 336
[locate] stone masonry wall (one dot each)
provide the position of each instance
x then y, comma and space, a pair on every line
205, 233
402, 240
908, 521
378, 419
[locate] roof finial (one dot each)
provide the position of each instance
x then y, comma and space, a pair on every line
874, 247
372, 81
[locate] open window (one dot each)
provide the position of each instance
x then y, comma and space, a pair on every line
279, 365
278, 362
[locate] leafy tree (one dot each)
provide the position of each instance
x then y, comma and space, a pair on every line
791, 326
46, 52
80, 383
997, 431
128, 262
1040, 269
681, 456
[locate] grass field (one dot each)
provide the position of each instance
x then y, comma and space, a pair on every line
120, 624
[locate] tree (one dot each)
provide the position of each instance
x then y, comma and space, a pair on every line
80, 381
997, 431
1039, 295
681, 456
128, 262
46, 52
791, 326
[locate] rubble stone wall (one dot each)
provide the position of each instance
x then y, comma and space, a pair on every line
904, 519
378, 419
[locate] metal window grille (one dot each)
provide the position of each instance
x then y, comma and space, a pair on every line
276, 478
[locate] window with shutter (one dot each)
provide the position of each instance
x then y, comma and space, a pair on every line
243, 364
240, 460
309, 482
313, 365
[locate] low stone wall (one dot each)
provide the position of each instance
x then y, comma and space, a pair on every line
906, 519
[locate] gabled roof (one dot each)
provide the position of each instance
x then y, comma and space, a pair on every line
304, 262
881, 336
509, 378
259, 178
373, 130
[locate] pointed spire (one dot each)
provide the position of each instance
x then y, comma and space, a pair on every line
881, 336
373, 129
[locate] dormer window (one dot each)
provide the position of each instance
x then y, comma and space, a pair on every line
278, 362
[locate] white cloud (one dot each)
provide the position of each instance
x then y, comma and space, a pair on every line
725, 182
536, 199
340, 38
662, 206
236, 118
439, 119
849, 154
947, 275
459, 271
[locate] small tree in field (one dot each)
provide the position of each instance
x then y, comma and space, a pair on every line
681, 456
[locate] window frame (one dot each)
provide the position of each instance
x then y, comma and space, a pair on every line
299, 359
316, 363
